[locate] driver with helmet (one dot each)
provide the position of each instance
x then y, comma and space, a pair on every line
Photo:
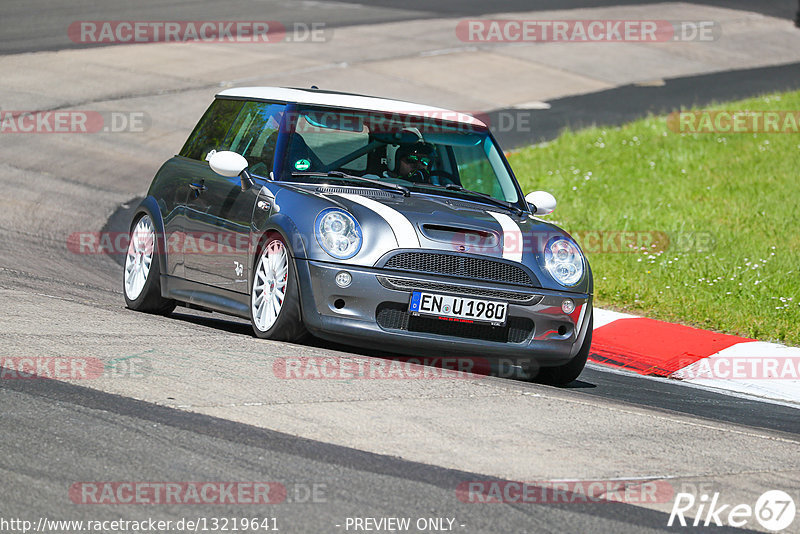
413, 162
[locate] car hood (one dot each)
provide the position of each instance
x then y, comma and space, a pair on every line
390, 221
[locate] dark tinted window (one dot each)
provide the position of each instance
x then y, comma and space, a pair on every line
255, 133
210, 132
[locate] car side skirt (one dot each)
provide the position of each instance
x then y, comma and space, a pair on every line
205, 296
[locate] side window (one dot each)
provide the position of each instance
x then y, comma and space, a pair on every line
255, 133
212, 129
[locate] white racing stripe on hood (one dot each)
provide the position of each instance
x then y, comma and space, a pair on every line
403, 230
512, 237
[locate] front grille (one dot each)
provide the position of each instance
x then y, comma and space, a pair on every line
394, 316
459, 266
403, 284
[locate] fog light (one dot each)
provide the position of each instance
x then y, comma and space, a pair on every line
568, 306
343, 279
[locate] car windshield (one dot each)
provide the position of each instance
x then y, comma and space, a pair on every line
423, 154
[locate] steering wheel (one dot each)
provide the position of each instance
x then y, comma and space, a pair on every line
441, 178
421, 176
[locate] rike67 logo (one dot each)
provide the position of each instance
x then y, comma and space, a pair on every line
775, 510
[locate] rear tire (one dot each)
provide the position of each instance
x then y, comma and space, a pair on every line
564, 374
275, 298
141, 276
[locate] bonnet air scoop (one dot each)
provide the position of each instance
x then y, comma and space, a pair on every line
455, 234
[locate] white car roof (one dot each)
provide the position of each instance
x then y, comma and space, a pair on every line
344, 100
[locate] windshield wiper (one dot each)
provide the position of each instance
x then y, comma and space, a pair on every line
340, 174
490, 198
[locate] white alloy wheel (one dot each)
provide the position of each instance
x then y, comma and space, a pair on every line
139, 258
269, 285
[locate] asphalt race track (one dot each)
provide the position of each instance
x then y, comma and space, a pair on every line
204, 403
36, 25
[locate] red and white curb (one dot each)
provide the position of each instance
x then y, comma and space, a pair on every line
657, 348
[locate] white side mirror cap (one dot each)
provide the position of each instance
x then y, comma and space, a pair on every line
227, 163
545, 202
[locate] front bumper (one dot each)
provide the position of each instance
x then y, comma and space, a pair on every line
372, 312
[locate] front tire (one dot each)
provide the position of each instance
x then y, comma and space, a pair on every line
275, 298
564, 374
141, 277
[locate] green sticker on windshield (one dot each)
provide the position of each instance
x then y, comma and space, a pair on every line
302, 164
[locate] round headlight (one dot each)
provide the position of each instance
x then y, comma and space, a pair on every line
338, 233
564, 261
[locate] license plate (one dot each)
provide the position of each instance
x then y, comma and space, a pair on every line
459, 309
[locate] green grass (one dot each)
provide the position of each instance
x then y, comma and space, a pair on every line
729, 204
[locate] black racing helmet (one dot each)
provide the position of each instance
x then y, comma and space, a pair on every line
419, 148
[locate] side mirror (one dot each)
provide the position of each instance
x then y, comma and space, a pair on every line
227, 163
543, 202
231, 164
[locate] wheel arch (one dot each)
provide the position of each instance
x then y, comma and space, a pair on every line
149, 206
280, 231
285, 227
